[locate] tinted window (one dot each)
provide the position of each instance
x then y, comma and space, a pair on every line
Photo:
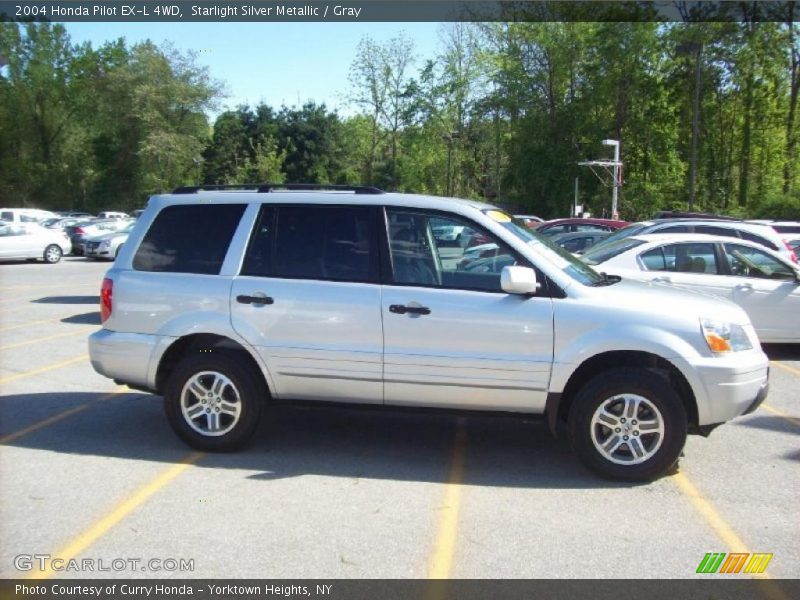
711, 230
313, 242
751, 237
7, 215
189, 239
672, 229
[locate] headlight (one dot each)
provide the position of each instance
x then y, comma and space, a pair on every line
724, 337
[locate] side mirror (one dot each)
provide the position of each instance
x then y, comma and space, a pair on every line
518, 280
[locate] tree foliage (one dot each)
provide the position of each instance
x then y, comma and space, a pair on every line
503, 111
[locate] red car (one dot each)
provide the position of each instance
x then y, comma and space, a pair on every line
577, 224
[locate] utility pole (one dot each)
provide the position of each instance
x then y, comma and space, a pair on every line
615, 185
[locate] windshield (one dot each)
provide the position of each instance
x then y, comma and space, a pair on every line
562, 259
620, 234
602, 253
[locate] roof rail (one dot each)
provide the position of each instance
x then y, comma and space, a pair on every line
679, 214
356, 189
272, 187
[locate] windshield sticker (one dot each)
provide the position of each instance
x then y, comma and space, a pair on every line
498, 216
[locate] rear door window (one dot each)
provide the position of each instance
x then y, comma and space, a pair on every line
335, 243
189, 239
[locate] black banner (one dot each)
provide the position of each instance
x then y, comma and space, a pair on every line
719, 587
397, 10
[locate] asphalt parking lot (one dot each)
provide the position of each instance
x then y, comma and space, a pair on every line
91, 470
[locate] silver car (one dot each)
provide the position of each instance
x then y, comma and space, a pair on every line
226, 302
107, 245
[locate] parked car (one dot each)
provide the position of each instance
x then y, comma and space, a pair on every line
25, 215
764, 283
224, 301
578, 242
61, 222
111, 214
530, 221
107, 245
452, 234
759, 233
31, 241
85, 229
579, 224
76, 214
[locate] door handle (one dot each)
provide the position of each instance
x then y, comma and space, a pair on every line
415, 310
744, 286
663, 279
243, 299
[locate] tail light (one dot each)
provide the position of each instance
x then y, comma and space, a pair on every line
79, 231
792, 251
106, 293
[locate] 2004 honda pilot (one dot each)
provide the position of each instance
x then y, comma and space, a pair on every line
223, 299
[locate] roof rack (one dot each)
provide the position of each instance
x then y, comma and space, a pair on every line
273, 187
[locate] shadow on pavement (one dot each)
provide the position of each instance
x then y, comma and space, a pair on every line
68, 300
297, 441
770, 423
90, 318
782, 351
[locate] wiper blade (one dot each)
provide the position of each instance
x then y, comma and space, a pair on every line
607, 279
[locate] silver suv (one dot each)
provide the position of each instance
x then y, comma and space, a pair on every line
224, 301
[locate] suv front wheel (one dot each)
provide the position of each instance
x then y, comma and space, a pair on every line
213, 402
628, 424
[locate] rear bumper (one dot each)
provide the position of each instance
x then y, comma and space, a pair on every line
123, 357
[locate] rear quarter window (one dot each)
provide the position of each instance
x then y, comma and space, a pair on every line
189, 239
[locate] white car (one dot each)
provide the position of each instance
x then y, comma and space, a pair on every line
223, 302
107, 244
30, 240
762, 282
25, 215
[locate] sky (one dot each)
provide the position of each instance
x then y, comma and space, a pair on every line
275, 63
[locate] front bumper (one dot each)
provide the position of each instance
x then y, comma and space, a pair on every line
729, 386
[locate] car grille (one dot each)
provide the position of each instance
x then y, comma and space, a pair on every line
93, 245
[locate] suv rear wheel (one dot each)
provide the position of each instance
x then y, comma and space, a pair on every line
213, 402
628, 424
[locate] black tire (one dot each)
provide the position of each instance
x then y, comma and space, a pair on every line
606, 389
246, 384
52, 254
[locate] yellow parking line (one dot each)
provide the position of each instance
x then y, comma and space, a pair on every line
20, 325
10, 437
779, 413
122, 510
444, 550
724, 531
45, 369
44, 339
786, 368
711, 516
